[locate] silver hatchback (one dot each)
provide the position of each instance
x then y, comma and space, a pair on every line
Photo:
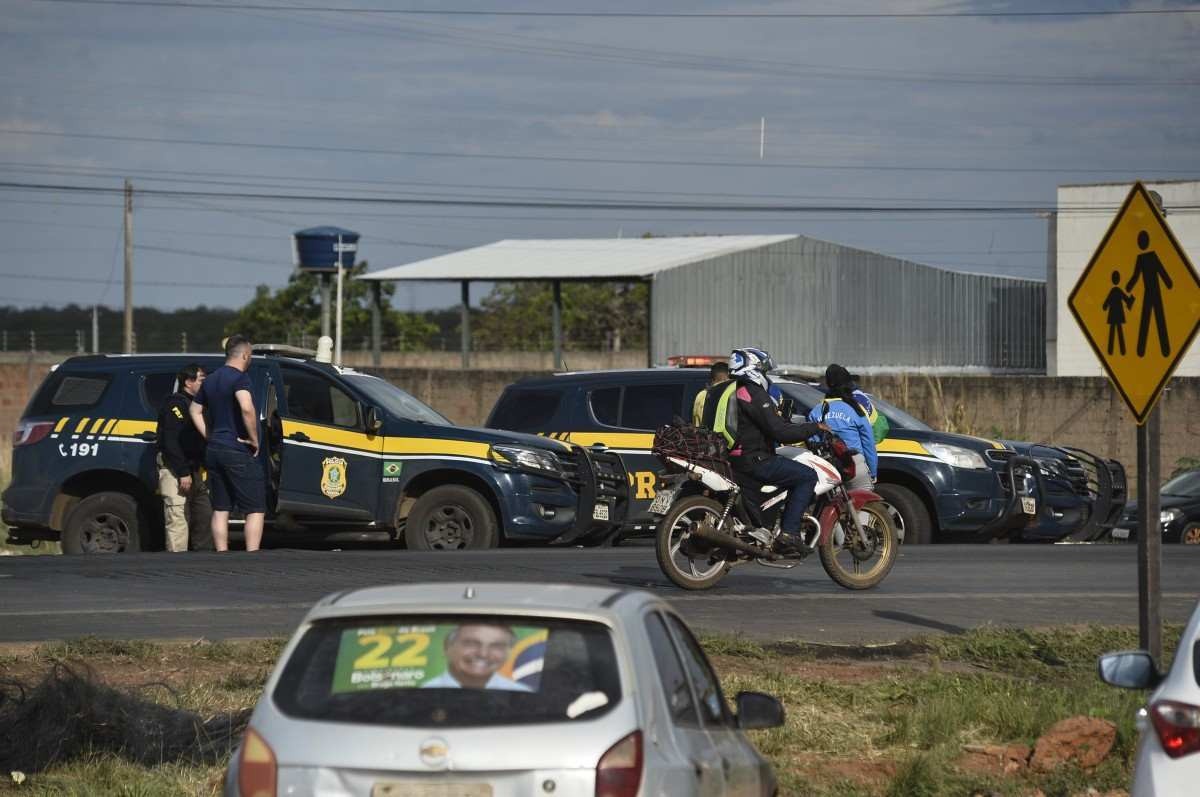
498, 690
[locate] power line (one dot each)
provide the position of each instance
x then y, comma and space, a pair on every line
717, 15
577, 159
151, 283
533, 203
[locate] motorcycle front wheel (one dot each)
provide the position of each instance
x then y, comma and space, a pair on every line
686, 561
848, 563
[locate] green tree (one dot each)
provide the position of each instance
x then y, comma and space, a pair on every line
596, 315
294, 311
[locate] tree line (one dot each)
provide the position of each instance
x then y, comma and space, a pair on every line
512, 316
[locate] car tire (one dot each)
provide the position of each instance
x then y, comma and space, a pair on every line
451, 518
1190, 534
909, 513
104, 523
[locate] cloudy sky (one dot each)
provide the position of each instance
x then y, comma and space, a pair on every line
974, 108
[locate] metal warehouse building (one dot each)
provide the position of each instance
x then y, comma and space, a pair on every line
808, 302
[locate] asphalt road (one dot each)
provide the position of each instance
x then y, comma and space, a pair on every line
931, 589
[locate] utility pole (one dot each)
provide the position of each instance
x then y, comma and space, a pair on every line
128, 267
95, 330
762, 138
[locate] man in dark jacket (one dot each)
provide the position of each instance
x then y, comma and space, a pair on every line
186, 507
759, 431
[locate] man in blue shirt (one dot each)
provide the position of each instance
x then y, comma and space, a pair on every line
847, 419
231, 431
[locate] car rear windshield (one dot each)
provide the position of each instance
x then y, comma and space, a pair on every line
451, 672
526, 410
68, 392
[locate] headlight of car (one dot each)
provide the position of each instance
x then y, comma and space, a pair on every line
1052, 467
530, 458
1169, 516
957, 456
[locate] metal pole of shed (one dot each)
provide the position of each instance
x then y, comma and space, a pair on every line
556, 324
376, 323
650, 323
466, 324
1149, 539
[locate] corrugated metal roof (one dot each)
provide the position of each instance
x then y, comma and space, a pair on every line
575, 258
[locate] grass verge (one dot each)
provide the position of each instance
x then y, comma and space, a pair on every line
860, 721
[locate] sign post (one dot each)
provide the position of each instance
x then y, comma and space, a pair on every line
1141, 276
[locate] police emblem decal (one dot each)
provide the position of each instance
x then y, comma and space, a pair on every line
333, 476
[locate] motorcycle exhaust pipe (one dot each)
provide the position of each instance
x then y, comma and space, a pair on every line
714, 537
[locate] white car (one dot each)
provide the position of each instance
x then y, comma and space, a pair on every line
1168, 752
498, 690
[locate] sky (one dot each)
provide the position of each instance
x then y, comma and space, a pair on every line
309, 108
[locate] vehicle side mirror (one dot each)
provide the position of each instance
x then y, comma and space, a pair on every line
1132, 669
374, 422
756, 710
787, 407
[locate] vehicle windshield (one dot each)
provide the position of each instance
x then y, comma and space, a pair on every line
1184, 484
451, 672
807, 396
395, 401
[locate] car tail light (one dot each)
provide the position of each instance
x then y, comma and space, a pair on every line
256, 767
1178, 727
619, 773
30, 432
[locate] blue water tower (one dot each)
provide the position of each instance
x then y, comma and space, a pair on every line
318, 249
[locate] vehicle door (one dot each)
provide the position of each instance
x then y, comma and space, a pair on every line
625, 418
691, 763
732, 754
330, 466
145, 391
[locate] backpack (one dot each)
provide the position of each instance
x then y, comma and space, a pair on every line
879, 422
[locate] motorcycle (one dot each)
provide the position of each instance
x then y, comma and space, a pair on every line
713, 520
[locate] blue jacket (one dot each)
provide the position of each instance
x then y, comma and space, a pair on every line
854, 429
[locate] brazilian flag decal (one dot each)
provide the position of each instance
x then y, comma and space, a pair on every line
392, 467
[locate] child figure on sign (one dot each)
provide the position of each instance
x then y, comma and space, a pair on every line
1117, 302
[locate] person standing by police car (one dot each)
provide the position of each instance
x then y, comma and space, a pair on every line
186, 508
231, 434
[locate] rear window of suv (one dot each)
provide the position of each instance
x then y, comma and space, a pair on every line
451, 672
69, 392
526, 410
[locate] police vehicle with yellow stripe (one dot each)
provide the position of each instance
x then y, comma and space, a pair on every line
348, 455
941, 487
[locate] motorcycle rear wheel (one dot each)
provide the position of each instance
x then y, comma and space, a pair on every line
681, 567
850, 570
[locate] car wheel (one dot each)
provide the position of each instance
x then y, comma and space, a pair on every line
103, 523
907, 513
451, 518
1190, 534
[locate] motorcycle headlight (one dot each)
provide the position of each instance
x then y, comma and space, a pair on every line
1169, 516
530, 458
957, 456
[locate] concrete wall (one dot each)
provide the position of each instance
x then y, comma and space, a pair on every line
1082, 412
1084, 215
501, 360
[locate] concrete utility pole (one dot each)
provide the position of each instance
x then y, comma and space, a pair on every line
128, 267
95, 331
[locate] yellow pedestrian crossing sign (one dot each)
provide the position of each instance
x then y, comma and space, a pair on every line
1138, 302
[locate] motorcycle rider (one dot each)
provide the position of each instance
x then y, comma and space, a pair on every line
758, 430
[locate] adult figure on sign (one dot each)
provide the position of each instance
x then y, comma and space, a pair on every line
1150, 270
